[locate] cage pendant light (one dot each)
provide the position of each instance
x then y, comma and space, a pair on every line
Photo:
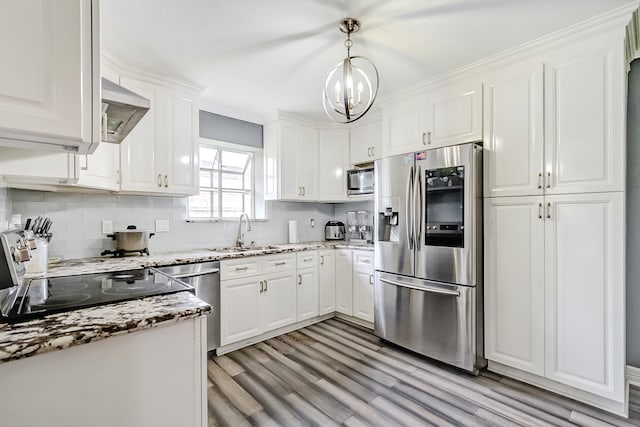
352, 86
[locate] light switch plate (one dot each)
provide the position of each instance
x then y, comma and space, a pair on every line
162, 225
107, 226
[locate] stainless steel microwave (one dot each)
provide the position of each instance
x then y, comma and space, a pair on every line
360, 181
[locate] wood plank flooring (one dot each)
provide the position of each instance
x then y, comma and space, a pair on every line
335, 373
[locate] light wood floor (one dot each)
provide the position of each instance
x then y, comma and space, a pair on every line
334, 373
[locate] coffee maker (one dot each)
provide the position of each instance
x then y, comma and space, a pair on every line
359, 227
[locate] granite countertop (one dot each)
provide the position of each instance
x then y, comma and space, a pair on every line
71, 328
106, 264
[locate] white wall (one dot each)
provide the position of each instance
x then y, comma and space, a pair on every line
5, 206
77, 221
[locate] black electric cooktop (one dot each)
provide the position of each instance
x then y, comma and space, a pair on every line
38, 297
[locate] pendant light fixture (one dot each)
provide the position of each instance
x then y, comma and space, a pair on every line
352, 86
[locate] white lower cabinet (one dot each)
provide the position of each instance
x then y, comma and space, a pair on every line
363, 285
257, 294
327, 282
307, 293
554, 288
344, 282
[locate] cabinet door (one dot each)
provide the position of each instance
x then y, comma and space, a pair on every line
344, 282
363, 294
327, 283
182, 169
514, 282
584, 295
402, 126
513, 131
585, 112
139, 153
100, 169
307, 293
240, 309
366, 143
333, 162
272, 179
37, 166
454, 114
278, 301
288, 157
49, 79
307, 162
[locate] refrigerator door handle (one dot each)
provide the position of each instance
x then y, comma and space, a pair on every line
409, 209
422, 288
417, 200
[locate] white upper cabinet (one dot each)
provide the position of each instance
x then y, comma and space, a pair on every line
365, 145
333, 162
50, 75
585, 114
454, 114
291, 159
37, 169
100, 170
447, 114
160, 155
513, 131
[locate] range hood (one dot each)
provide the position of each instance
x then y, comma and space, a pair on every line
121, 111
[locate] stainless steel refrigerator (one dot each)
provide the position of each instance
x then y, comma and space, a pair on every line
428, 248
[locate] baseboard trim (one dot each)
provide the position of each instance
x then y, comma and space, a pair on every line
355, 320
271, 334
618, 408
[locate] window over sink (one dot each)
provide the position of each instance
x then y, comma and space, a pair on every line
227, 182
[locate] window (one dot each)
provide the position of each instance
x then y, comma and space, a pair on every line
226, 183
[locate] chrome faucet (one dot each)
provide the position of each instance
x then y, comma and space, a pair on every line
240, 235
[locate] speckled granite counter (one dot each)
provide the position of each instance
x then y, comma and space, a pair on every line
104, 264
68, 329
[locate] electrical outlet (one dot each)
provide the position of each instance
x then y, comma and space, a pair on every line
162, 225
107, 226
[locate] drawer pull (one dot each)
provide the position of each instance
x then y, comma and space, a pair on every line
307, 259
371, 279
266, 286
281, 263
261, 286
245, 268
365, 260
321, 259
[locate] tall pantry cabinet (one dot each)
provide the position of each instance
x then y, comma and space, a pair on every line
554, 138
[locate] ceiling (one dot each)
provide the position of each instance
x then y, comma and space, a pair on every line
256, 56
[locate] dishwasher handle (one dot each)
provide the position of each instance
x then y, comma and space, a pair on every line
196, 274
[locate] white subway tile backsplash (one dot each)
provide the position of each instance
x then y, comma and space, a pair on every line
77, 221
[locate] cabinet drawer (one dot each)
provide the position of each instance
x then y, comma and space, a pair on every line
307, 259
242, 267
363, 260
275, 263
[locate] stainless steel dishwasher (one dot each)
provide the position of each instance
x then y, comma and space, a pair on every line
205, 279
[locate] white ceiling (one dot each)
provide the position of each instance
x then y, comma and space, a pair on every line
256, 56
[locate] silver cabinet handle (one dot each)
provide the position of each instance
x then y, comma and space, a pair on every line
266, 285
280, 263
304, 191
373, 151
159, 180
299, 279
365, 260
422, 288
429, 137
196, 274
166, 181
540, 181
548, 210
245, 268
368, 151
424, 138
371, 279
307, 259
261, 286
539, 210
548, 179
321, 259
